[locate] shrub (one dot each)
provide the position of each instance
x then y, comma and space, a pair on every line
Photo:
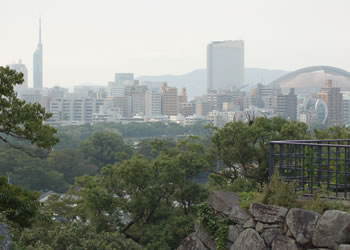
278, 192
320, 205
241, 184
246, 198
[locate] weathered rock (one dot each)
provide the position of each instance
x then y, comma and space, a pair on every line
192, 242
344, 247
285, 228
268, 213
233, 233
223, 201
273, 226
332, 229
5, 237
318, 249
228, 244
302, 224
249, 223
289, 233
259, 227
238, 215
204, 236
285, 243
228, 203
249, 239
270, 234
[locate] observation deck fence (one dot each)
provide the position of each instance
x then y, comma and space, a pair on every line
313, 164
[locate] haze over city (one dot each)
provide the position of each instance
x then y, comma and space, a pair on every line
88, 41
188, 125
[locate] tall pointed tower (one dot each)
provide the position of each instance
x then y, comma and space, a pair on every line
38, 63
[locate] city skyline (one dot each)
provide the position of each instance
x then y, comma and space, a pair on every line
89, 46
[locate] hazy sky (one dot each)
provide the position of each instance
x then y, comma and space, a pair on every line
88, 41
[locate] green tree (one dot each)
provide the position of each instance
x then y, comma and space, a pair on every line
17, 204
274, 129
30, 172
21, 121
39, 177
105, 148
243, 148
234, 145
334, 132
141, 195
70, 163
76, 235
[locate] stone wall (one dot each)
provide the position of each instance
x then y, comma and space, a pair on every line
272, 227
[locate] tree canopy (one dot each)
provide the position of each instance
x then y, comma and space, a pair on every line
242, 148
20, 121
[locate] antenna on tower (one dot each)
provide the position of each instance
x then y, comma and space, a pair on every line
39, 30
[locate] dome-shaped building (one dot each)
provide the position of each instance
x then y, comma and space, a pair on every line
311, 79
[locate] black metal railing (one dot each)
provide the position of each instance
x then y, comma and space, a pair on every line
313, 164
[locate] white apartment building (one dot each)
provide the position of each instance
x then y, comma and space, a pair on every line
153, 102
74, 110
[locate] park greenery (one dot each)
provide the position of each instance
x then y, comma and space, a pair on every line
145, 194
131, 186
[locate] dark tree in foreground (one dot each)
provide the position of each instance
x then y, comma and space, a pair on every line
18, 204
20, 121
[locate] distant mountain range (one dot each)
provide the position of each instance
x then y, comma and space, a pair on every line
196, 81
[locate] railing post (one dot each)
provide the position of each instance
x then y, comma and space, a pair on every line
319, 175
271, 159
337, 169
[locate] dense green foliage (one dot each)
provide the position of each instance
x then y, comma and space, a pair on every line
55, 173
102, 149
216, 226
48, 234
151, 201
80, 151
72, 136
17, 204
242, 149
21, 121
